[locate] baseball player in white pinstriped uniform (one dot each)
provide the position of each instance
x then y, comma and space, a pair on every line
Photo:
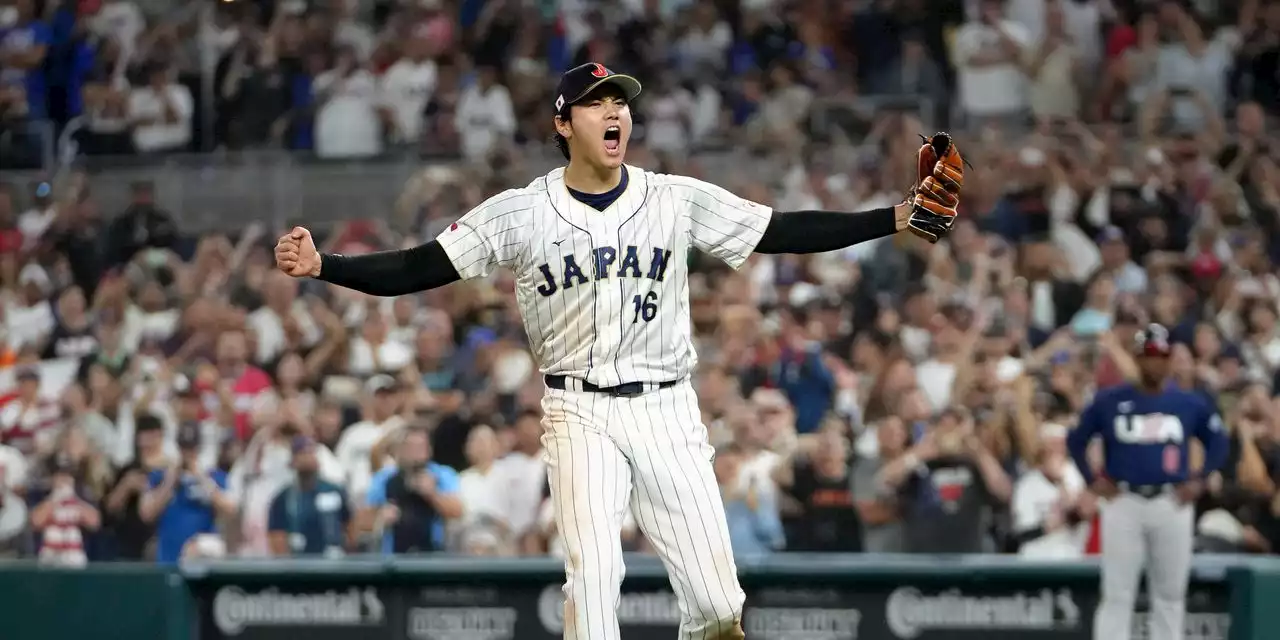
599, 250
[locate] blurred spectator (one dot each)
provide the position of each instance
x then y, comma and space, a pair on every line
132, 534
947, 485
14, 525
374, 350
752, 514
73, 333
817, 479
34, 221
381, 418
484, 116
1053, 70
347, 122
309, 516
24, 44
913, 73
184, 500
407, 87
105, 97
143, 227
480, 485
523, 473
160, 112
1047, 503
29, 422
1192, 66
238, 382
63, 517
989, 49
877, 508
413, 500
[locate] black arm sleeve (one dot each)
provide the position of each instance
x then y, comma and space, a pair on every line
391, 273
820, 231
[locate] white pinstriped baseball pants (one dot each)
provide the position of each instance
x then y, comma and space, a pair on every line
650, 451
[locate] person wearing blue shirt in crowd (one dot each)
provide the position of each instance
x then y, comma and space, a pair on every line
1148, 487
801, 374
750, 507
23, 47
185, 500
414, 499
309, 516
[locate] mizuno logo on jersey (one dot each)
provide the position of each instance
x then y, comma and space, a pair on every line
603, 262
1153, 428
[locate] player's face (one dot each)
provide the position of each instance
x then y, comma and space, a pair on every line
1154, 368
599, 127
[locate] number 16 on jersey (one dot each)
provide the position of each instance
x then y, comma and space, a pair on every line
646, 307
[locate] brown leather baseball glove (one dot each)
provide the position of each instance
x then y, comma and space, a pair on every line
939, 177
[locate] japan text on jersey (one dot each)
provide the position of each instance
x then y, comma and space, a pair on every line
604, 294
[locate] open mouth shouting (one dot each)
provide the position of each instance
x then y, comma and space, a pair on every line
613, 140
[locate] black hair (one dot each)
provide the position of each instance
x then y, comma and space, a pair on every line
561, 142
147, 422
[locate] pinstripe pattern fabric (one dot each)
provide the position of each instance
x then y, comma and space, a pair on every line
604, 297
648, 453
584, 276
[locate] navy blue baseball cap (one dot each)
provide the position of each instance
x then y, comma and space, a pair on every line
577, 82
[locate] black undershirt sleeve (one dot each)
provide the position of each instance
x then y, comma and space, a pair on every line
390, 273
821, 231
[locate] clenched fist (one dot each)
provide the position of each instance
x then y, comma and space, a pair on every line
296, 254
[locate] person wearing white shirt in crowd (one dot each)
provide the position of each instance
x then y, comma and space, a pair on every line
485, 119
987, 53
523, 475
35, 221
408, 84
482, 492
374, 351
28, 313
1049, 516
347, 122
161, 113
280, 302
667, 121
13, 469
266, 468
706, 41
383, 402
768, 420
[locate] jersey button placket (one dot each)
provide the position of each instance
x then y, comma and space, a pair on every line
604, 287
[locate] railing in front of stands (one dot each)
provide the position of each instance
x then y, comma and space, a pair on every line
789, 597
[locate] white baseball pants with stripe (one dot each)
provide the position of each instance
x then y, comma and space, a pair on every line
648, 453
1152, 534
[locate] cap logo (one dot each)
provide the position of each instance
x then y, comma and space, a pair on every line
559, 103
599, 71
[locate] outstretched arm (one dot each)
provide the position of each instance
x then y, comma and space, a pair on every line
390, 273
489, 236
821, 231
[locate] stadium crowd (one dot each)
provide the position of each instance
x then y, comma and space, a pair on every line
173, 394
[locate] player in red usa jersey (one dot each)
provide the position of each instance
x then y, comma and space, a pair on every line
1147, 488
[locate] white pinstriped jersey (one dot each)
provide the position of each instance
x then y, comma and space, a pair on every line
605, 294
